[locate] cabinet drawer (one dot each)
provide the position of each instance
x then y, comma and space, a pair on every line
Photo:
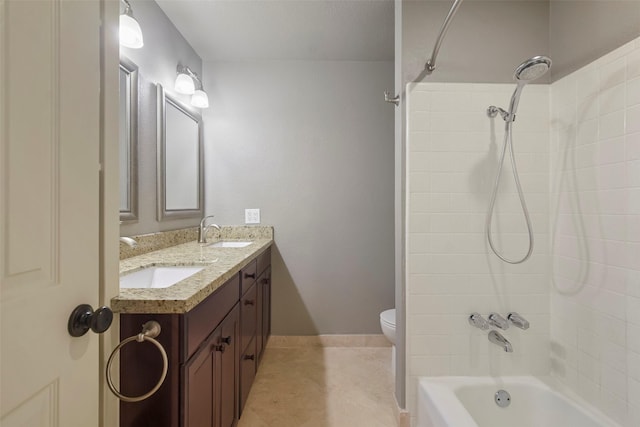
203, 319
247, 372
264, 260
248, 276
248, 316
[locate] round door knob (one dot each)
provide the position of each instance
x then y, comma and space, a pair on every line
226, 340
84, 318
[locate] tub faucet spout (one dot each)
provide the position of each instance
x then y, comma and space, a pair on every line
497, 338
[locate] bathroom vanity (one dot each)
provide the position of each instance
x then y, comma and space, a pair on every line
215, 325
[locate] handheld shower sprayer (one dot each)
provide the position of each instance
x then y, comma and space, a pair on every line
526, 72
530, 70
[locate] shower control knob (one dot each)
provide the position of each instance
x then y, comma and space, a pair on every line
84, 318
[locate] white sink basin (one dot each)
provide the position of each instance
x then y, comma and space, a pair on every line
230, 244
157, 277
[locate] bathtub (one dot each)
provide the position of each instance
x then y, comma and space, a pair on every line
470, 402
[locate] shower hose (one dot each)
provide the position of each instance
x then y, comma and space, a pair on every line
508, 143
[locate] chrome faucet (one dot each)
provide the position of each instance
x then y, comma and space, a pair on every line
518, 321
202, 230
129, 241
498, 321
497, 338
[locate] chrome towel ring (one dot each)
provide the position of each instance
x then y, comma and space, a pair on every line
150, 331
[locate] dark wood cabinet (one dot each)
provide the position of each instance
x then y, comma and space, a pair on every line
201, 387
229, 370
265, 311
248, 365
263, 284
213, 353
210, 380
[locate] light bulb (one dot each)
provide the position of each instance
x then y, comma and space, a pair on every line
200, 99
130, 32
184, 84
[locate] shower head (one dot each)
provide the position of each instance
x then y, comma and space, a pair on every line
528, 71
532, 69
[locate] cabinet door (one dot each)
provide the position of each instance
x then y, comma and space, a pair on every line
229, 372
201, 387
248, 314
266, 307
259, 314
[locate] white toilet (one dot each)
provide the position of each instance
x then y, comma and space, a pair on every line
388, 325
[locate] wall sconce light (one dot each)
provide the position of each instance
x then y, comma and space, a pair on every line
185, 84
184, 81
130, 32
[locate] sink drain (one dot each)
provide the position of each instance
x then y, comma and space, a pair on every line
502, 398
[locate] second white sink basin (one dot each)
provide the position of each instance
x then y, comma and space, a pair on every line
230, 244
157, 277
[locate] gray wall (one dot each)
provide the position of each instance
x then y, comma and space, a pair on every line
488, 39
484, 44
582, 31
311, 145
164, 47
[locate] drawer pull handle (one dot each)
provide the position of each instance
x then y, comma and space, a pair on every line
226, 340
249, 276
249, 302
249, 357
221, 348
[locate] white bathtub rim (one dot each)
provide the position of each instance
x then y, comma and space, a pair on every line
442, 389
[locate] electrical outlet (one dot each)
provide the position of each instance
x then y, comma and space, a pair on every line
252, 216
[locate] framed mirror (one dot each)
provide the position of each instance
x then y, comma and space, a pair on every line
180, 159
128, 136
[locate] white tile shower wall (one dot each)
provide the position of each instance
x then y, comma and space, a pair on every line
452, 159
595, 232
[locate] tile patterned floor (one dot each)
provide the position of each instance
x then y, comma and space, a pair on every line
322, 387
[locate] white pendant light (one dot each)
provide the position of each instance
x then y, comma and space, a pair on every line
130, 31
200, 99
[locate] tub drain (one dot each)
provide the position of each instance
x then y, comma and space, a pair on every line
502, 398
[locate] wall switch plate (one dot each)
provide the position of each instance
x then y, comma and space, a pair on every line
252, 216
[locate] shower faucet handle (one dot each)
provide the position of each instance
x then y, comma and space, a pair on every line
518, 321
498, 321
476, 320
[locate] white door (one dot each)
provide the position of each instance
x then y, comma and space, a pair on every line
49, 210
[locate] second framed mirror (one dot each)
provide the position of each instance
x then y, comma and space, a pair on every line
180, 159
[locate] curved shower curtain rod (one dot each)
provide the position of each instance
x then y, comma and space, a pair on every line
431, 62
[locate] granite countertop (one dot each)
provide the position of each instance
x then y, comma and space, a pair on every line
220, 264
